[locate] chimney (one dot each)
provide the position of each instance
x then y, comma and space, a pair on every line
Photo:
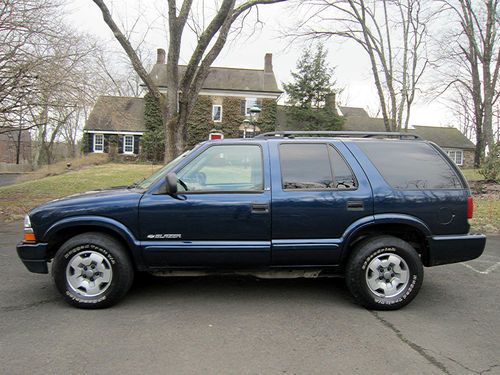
160, 56
330, 101
268, 63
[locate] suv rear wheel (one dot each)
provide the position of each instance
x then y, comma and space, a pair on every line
92, 270
384, 273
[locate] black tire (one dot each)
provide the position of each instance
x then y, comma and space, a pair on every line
359, 273
115, 262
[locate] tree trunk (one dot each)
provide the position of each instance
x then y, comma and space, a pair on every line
18, 146
478, 151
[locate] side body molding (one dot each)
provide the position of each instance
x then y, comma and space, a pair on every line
99, 221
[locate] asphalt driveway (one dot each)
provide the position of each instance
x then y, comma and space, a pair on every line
244, 326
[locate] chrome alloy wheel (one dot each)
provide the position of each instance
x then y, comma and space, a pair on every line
89, 273
387, 275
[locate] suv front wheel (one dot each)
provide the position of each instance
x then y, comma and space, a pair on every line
384, 273
92, 270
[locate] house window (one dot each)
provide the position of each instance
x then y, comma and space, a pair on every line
98, 143
249, 103
128, 144
457, 156
217, 113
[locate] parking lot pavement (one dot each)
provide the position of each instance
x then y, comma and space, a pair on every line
244, 326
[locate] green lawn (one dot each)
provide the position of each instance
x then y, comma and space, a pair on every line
486, 215
472, 174
16, 200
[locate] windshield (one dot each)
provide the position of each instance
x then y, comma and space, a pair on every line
146, 183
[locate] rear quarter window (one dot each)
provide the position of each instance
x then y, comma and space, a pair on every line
411, 165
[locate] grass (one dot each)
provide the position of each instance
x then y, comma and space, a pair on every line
16, 200
472, 174
62, 166
486, 215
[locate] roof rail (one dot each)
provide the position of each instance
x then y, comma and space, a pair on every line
356, 134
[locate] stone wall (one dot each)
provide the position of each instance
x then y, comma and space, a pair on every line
468, 159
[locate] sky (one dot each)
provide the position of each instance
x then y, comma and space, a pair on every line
352, 67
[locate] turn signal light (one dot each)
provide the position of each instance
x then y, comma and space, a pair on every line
29, 237
470, 208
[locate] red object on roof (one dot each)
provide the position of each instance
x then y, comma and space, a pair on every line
215, 136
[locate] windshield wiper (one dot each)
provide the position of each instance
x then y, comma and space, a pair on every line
136, 184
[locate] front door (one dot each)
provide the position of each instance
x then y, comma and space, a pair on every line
319, 193
221, 216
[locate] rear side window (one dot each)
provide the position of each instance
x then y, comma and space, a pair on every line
342, 174
305, 166
314, 166
411, 165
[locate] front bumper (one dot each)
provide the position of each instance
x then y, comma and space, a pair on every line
34, 256
453, 249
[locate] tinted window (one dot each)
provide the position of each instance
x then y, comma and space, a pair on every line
411, 165
342, 174
224, 168
305, 166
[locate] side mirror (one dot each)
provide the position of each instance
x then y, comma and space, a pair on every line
171, 183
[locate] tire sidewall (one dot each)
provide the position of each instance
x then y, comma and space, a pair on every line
108, 249
370, 250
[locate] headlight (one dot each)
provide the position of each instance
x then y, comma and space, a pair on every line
27, 222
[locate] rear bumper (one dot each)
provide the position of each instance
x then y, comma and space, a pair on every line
453, 249
34, 256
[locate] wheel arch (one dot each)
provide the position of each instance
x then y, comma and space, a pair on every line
63, 230
405, 227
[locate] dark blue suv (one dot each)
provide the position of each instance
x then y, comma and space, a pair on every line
374, 207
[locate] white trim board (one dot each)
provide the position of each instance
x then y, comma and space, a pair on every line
124, 132
239, 94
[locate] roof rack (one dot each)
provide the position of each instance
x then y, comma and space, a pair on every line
292, 134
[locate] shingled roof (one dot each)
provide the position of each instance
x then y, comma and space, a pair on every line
353, 111
444, 137
116, 113
227, 79
357, 119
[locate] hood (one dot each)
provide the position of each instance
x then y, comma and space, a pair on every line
93, 194
119, 203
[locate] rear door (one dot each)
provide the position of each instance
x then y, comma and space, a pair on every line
319, 190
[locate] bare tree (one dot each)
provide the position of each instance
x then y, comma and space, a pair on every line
393, 35
65, 89
23, 24
116, 70
182, 92
472, 62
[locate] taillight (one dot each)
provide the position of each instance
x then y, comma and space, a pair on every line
470, 208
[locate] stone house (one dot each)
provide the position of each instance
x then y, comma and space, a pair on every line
224, 102
458, 147
115, 122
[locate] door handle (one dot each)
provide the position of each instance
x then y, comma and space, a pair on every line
355, 206
260, 208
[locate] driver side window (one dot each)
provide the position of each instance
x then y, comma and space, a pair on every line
224, 168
